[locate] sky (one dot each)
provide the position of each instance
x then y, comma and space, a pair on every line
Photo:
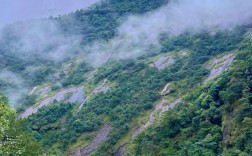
18, 10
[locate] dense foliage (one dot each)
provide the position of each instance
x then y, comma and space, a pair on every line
76, 76
100, 22
13, 140
33, 65
214, 119
48, 119
136, 87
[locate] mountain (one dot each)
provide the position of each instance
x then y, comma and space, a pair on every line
129, 78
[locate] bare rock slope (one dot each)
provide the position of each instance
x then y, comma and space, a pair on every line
99, 139
163, 62
219, 65
74, 94
160, 106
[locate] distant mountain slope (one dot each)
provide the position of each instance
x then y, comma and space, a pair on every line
135, 88
213, 119
188, 93
33, 51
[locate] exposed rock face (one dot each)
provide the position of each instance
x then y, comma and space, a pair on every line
184, 54
100, 88
99, 139
77, 96
72, 95
170, 106
91, 75
33, 90
159, 106
66, 68
42, 92
166, 90
81, 105
77, 152
163, 62
101, 59
120, 151
219, 66
250, 35
136, 132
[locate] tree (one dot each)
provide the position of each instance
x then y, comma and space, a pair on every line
13, 141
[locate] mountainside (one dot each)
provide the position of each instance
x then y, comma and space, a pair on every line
119, 79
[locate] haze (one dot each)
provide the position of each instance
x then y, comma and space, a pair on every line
17, 10
139, 32
135, 36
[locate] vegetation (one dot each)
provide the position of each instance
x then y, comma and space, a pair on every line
13, 140
136, 87
100, 22
76, 76
212, 119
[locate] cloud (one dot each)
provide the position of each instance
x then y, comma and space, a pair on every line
16, 89
35, 38
36, 43
140, 32
136, 36
40, 38
18, 10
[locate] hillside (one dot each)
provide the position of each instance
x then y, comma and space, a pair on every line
100, 82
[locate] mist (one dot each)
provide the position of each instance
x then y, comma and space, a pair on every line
36, 37
140, 32
19, 10
36, 42
41, 38
16, 83
136, 36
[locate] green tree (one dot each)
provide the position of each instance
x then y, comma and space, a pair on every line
13, 141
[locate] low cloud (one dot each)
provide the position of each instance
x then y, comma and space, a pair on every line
36, 43
42, 38
18, 10
140, 32
136, 36
15, 88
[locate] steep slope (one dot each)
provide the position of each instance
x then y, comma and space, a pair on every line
33, 51
185, 94
135, 88
213, 119
13, 139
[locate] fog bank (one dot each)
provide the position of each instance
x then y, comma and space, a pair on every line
140, 32
18, 10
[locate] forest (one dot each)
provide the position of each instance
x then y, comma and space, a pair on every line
213, 116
